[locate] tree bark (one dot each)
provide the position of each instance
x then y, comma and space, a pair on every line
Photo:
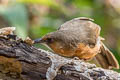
19, 60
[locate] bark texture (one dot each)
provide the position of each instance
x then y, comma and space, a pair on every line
20, 60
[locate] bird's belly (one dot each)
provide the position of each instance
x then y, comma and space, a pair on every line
85, 52
82, 51
64, 52
61, 50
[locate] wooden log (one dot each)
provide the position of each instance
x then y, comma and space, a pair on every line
20, 60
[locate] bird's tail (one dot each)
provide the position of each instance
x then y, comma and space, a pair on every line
106, 59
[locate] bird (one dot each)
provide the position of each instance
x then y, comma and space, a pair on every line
80, 37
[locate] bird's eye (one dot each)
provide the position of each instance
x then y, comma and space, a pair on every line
49, 40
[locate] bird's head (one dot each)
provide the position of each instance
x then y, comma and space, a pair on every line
47, 39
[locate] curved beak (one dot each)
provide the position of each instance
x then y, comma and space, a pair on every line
38, 40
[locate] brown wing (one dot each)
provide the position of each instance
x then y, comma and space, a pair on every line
106, 58
82, 25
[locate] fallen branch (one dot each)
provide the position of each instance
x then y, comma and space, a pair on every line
19, 60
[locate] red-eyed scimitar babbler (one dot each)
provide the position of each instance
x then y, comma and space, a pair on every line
80, 37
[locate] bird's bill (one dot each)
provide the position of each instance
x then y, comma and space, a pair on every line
38, 40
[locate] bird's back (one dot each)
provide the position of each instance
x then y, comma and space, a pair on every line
80, 29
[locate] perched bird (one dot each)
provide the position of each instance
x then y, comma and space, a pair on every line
80, 37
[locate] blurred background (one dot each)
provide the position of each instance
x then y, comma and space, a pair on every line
35, 18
